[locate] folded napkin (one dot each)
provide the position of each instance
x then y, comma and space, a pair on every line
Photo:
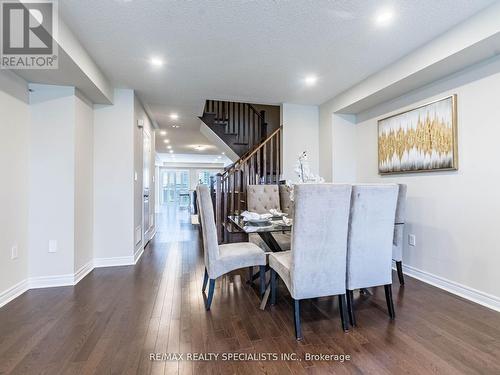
247, 215
286, 221
276, 212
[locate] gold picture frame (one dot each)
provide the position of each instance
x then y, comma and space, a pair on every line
422, 139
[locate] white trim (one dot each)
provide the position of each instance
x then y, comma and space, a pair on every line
13, 292
453, 287
51, 281
83, 271
138, 254
114, 262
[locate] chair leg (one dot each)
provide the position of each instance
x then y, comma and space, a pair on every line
205, 280
250, 275
296, 315
262, 277
399, 267
350, 307
211, 287
273, 287
343, 312
388, 298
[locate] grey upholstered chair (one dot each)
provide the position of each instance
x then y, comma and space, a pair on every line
221, 259
261, 199
399, 225
369, 245
315, 266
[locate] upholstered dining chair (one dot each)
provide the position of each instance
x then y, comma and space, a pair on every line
261, 199
369, 245
285, 202
221, 259
315, 265
399, 225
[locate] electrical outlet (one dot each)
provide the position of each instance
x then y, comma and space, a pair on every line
14, 254
52, 246
412, 240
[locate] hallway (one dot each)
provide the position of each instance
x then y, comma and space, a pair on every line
115, 317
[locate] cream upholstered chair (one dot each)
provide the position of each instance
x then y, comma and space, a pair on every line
261, 199
399, 225
369, 245
315, 266
286, 203
221, 259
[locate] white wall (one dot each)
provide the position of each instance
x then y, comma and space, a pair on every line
343, 160
84, 181
114, 178
454, 215
14, 154
300, 133
52, 180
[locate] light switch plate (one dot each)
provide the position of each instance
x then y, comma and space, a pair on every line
412, 240
52, 246
14, 254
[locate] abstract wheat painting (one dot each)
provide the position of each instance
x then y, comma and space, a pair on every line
422, 139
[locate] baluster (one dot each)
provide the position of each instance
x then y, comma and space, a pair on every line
271, 157
278, 148
259, 166
264, 155
232, 194
218, 205
239, 122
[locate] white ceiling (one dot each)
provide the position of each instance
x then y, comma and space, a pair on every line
256, 51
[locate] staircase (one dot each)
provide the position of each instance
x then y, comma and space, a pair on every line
243, 129
239, 125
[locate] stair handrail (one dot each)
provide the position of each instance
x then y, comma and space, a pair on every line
247, 155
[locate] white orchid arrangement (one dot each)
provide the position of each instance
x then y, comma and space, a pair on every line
304, 173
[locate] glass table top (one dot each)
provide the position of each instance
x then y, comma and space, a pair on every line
273, 225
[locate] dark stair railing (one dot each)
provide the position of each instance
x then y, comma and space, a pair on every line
239, 125
259, 165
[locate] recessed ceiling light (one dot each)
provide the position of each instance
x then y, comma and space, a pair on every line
171, 151
174, 116
384, 17
311, 80
163, 132
169, 147
166, 140
156, 61
223, 153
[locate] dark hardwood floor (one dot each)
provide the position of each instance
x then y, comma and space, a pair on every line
114, 318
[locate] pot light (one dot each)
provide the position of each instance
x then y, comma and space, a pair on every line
384, 17
169, 147
156, 61
163, 132
171, 151
174, 116
176, 126
311, 80
166, 140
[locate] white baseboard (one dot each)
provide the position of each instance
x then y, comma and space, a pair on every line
83, 271
114, 262
138, 254
51, 281
13, 292
453, 287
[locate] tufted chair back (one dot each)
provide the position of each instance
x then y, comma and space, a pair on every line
262, 198
285, 201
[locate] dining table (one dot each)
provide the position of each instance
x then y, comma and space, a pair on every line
265, 230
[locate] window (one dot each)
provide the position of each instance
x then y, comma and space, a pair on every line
204, 177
